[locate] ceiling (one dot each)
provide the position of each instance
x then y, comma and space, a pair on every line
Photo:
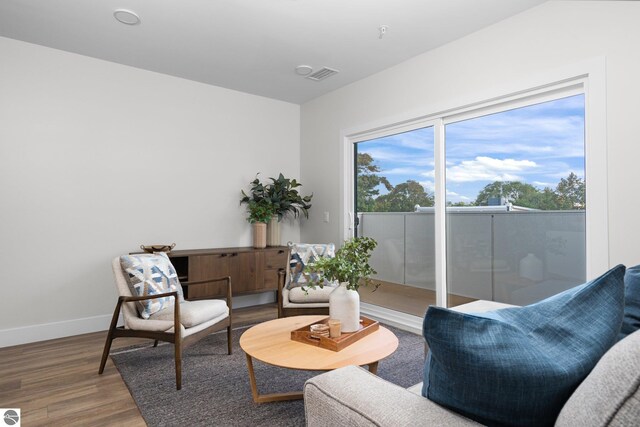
254, 45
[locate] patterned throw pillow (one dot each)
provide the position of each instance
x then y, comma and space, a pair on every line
518, 366
302, 254
151, 274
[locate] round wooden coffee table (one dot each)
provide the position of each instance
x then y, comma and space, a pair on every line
270, 342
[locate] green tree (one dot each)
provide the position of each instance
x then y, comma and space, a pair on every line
515, 192
368, 180
460, 204
545, 199
568, 194
571, 193
403, 198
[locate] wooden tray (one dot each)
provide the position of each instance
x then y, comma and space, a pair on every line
304, 335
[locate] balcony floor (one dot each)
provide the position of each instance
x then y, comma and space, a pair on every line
404, 298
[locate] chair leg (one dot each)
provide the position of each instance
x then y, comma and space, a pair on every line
105, 353
178, 354
229, 339
155, 343
107, 343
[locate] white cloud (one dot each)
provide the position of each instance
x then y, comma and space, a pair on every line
543, 184
395, 156
428, 185
489, 169
565, 173
404, 171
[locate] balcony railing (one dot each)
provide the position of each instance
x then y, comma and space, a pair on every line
512, 257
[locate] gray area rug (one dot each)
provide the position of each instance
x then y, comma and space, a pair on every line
215, 386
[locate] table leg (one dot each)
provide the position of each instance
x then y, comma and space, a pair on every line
272, 397
373, 368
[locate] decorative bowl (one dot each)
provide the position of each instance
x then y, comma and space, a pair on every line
157, 248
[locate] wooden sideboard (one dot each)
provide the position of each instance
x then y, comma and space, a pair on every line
251, 270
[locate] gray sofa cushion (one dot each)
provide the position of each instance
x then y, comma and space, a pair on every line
352, 396
610, 395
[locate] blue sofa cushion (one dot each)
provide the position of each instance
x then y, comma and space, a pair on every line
631, 321
518, 366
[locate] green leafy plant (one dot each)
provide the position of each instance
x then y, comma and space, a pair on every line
282, 193
286, 199
351, 263
261, 211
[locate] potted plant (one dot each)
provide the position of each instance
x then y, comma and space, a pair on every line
260, 213
351, 268
282, 193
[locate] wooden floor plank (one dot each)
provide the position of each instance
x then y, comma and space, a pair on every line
56, 382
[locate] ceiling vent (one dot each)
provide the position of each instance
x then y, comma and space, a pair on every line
322, 74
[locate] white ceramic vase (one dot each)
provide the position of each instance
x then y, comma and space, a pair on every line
344, 305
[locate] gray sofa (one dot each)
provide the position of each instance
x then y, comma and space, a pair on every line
351, 396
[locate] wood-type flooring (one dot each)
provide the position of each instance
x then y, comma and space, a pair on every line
56, 382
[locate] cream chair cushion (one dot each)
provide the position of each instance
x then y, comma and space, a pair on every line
312, 295
193, 313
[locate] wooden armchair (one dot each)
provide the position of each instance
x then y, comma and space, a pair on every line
182, 325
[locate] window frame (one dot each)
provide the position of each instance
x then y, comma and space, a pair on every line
587, 78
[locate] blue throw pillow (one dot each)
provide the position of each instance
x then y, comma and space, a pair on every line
631, 322
518, 366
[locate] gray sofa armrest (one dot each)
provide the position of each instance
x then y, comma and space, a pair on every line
352, 396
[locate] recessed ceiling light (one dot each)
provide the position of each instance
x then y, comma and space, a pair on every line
126, 16
303, 70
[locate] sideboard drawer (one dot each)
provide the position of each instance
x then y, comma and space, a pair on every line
275, 259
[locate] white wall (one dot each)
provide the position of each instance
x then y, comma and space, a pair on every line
97, 158
551, 36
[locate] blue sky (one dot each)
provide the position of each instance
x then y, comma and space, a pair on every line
538, 144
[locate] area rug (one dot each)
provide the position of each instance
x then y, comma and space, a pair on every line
215, 386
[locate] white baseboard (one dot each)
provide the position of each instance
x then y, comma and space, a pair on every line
406, 322
67, 328
49, 331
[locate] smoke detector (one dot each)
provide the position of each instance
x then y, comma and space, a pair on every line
127, 17
303, 70
322, 74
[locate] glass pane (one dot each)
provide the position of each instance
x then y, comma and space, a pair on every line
516, 203
394, 204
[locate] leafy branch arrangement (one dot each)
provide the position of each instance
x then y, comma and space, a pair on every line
351, 263
259, 211
281, 193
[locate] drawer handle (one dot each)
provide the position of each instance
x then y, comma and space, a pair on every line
234, 254
223, 255
280, 251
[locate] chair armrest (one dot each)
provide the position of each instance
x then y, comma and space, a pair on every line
146, 297
176, 310
352, 396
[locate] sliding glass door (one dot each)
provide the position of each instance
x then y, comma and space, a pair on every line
394, 203
486, 203
516, 203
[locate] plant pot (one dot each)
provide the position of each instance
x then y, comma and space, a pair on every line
259, 235
273, 232
344, 305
